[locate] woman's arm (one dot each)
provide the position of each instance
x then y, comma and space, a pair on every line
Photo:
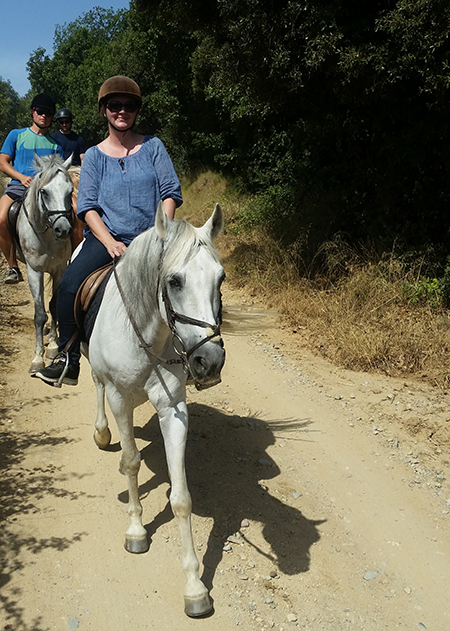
169, 207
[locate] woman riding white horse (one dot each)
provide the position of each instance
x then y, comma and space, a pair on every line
122, 181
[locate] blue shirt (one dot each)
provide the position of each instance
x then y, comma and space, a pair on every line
22, 144
72, 144
126, 191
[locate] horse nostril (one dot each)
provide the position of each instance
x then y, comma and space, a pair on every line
62, 231
200, 363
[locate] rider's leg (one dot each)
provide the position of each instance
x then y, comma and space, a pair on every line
6, 242
91, 256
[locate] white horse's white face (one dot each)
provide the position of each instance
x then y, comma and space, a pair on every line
55, 201
195, 300
194, 292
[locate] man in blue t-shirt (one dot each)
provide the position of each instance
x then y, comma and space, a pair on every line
17, 161
72, 143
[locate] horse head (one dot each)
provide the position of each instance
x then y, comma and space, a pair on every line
50, 196
190, 300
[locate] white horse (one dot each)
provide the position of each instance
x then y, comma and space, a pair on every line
157, 325
42, 235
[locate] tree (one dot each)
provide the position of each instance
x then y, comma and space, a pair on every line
81, 62
9, 108
333, 114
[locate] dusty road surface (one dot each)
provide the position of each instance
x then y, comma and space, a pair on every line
321, 497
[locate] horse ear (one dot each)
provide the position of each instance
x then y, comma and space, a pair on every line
161, 220
214, 225
68, 162
39, 163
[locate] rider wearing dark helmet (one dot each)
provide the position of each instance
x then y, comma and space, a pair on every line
71, 142
17, 162
122, 181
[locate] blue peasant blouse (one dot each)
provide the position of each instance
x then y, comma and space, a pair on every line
126, 191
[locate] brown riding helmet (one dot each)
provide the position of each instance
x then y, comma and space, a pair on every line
119, 85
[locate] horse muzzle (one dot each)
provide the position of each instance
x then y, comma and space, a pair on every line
206, 363
62, 229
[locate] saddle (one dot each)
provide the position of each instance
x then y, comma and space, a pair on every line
86, 293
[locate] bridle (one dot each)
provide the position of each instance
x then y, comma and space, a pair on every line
51, 216
212, 330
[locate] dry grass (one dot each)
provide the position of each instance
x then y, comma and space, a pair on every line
361, 321
355, 313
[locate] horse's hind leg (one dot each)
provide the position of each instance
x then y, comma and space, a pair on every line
130, 463
102, 434
173, 422
36, 284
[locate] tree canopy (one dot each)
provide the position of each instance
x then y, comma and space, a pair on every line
333, 114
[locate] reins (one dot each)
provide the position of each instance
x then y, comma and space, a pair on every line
131, 318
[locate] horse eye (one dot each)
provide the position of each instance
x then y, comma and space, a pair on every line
175, 282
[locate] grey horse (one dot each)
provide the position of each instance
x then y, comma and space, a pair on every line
41, 224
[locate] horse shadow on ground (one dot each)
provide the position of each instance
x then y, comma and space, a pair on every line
21, 490
226, 466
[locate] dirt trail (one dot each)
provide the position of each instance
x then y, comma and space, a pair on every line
331, 486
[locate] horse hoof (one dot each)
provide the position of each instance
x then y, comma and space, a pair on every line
136, 546
51, 353
36, 367
102, 440
194, 608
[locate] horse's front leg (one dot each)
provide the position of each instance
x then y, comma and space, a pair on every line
130, 463
174, 425
102, 434
52, 346
36, 284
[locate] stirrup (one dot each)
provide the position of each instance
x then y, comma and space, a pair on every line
61, 355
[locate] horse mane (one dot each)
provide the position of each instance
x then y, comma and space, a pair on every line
150, 261
52, 163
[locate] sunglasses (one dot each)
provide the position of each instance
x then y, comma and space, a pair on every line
117, 106
43, 111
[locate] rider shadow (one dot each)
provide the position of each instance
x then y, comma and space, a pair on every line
226, 466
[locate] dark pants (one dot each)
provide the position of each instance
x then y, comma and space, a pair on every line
93, 255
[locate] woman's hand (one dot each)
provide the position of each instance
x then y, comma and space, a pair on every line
115, 248
100, 231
